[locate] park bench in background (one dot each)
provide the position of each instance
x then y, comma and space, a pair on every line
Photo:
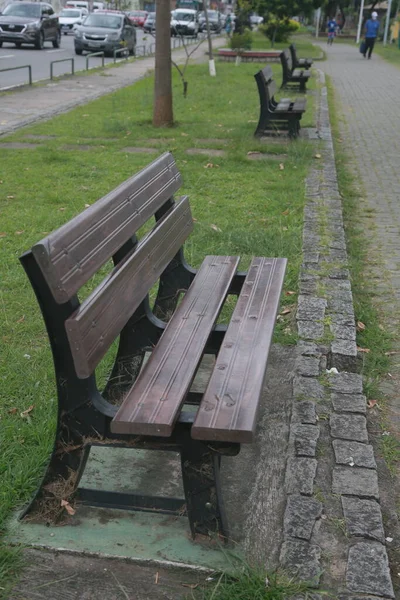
150, 406
299, 63
292, 76
285, 114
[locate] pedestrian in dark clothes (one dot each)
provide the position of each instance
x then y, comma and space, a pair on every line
371, 33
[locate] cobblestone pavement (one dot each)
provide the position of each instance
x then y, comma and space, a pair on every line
367, 94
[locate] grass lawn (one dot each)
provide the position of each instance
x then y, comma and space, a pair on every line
304, 45
240, 207
391, 52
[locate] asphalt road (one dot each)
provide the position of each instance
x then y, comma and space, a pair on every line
40, 60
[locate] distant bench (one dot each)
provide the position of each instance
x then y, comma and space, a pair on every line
151, 406
291, 75
299, 63
285, 114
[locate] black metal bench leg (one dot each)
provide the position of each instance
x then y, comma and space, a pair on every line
201, 482
302, 86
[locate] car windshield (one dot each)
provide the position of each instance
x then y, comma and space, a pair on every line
102, 20
151, 16
23, 10
70, 13
184, 16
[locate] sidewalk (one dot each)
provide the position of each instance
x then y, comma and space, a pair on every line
29, 104
368, 92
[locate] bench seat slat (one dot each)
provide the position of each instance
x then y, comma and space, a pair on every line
99, 319
69, 256
229, 407
153, 404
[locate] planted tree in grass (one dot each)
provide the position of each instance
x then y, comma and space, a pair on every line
241, 42
163, 111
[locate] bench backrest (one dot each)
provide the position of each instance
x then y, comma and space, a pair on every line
70, 256
287, 65
266, 85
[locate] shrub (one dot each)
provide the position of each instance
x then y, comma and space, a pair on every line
281, 29
241, 41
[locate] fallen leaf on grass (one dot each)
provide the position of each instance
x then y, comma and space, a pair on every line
365, 350
191, 586
392, 352
3, 234
87, 205
286, 311
317, 156
289, 293
21, 319
26, 412
185, 134
156, 578
253, 152
12, 411
339, 140
216, 228
285, 212
281, 166
10, 197
360, 326
19, 232
65, 504
61, 209
372, 403
208, 166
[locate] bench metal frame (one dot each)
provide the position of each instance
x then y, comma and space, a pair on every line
290, 75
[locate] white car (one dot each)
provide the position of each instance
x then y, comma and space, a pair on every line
184, 21
69, 18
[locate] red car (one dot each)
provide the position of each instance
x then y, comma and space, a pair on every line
137, 17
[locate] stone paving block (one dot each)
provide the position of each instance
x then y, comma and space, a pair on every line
308, 288
300, 516
355, 403
307, 366
342, 320
310, 330
307, 388
304, 412
206, 151
354, 481
368, 570
342, 332
305, 439
311, 349
300, 474
311, 308
349, 427
363, 518
302, 560
311, 257
361, 455
345, 383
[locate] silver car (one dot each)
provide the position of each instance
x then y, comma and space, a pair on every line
105, 32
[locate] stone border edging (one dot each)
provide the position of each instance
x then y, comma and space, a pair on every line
326, 372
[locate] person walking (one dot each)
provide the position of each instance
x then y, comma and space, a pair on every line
332, 25
371, 33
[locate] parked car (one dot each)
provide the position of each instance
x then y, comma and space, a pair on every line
105, 31
255, 20
77, 4
214, 19
137, 17
29, 23
70, 17
184, 21
150, 23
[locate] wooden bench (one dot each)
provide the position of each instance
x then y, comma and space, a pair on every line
151, 406
285, 114
299, 63
292, 76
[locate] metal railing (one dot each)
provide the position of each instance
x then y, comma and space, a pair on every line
29, 67
71, 59
88, 56
122, 51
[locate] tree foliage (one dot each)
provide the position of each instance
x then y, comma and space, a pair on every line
285, 9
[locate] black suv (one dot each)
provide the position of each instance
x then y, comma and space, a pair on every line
29, 23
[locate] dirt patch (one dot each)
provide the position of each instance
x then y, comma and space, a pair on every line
79, 147
18, 145
265, 156
134, 150
31, 136
61, 576
211, 141
206, 151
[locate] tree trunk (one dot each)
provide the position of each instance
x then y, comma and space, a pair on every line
162, 113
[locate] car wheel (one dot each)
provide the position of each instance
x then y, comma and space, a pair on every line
57, 41
65, 33
78, 51
18, 44
40, 41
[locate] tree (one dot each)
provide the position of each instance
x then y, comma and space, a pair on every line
280, 11
163, 111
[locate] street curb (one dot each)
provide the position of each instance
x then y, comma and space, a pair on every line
331, 472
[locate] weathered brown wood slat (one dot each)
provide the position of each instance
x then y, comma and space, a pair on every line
99, 319
71, 255
154, 403
229, 407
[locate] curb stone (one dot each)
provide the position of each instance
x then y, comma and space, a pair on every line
329, 412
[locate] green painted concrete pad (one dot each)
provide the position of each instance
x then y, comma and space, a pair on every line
142, 536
